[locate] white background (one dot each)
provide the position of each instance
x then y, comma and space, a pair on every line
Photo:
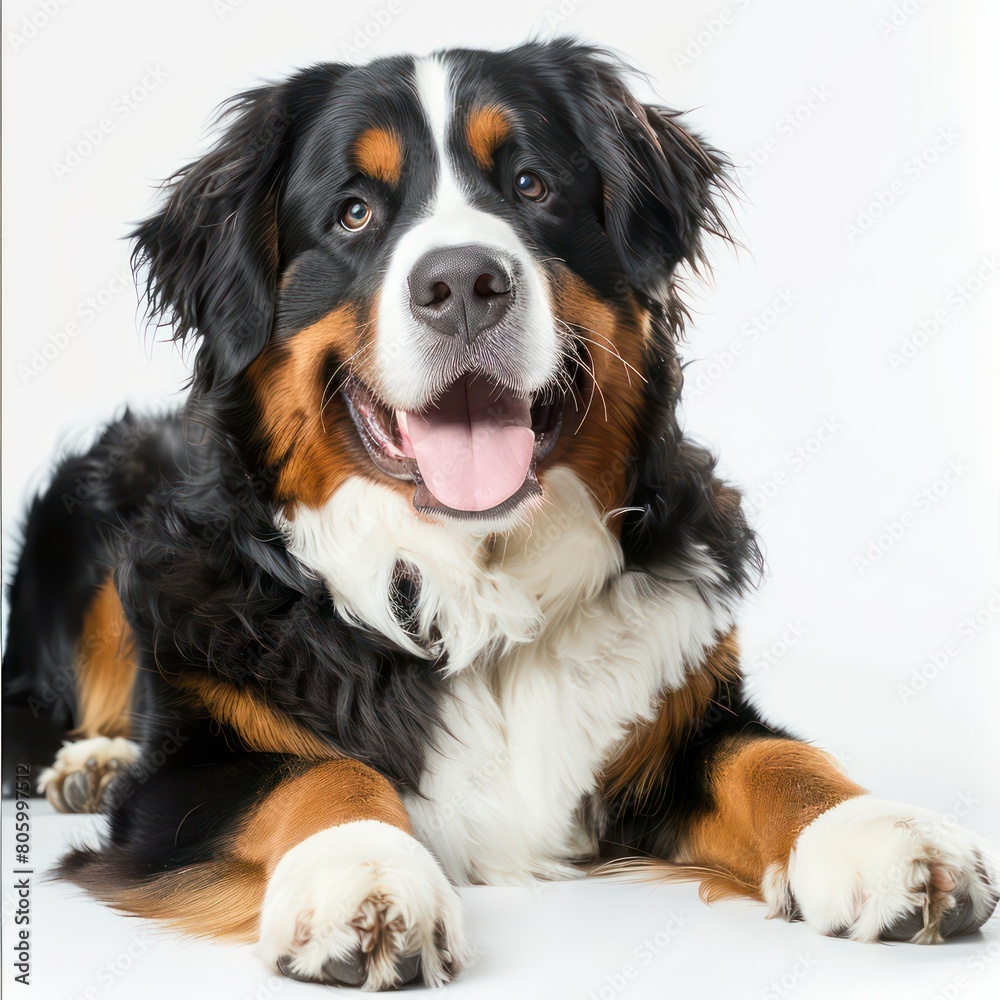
832, 644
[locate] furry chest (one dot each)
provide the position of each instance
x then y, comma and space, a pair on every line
524, 745
554, 652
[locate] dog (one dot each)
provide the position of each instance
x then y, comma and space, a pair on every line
425, 585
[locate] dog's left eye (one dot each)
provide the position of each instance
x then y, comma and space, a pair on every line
355, 215
529, 185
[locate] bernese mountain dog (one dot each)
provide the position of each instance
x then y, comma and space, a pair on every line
425, 585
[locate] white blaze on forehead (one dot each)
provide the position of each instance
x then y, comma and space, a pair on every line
405, 371
431, 79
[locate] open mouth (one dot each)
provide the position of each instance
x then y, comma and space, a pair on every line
471, 454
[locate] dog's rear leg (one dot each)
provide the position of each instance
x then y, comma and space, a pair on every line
67, 665
314, 860
84, 772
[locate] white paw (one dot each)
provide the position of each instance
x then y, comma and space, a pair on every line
362, 904
872, 870
82, 773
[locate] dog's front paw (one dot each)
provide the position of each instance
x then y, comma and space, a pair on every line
875, 870
83, 774
362, 904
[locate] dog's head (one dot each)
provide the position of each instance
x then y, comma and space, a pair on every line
445, 273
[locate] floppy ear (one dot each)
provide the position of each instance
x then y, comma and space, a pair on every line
662, 184
211, 254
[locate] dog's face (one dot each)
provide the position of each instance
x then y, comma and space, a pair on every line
444, 273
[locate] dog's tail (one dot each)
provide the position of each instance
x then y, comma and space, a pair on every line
714, 884
66, 664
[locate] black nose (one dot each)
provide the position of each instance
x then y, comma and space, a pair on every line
462, 290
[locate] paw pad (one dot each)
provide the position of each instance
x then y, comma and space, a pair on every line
84, 775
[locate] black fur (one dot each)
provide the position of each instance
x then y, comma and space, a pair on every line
72, 540
206, 582
654, 822
677, 504
242, 251
211, 255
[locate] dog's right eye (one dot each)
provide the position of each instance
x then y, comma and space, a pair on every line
529, 185
355, 215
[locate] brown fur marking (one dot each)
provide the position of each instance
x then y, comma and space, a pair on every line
309, 431
306, 424
259, 727
223, 898
605, 423
105, 667
378, 152
328, 794
485, 129
648, 751
219, 899
765, 791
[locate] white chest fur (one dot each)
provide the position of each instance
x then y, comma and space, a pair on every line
553, 651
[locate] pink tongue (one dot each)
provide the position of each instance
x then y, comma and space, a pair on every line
474, 447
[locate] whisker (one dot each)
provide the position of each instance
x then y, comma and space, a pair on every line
591, 371
612, 351
619, 510
323, 398
596, 386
